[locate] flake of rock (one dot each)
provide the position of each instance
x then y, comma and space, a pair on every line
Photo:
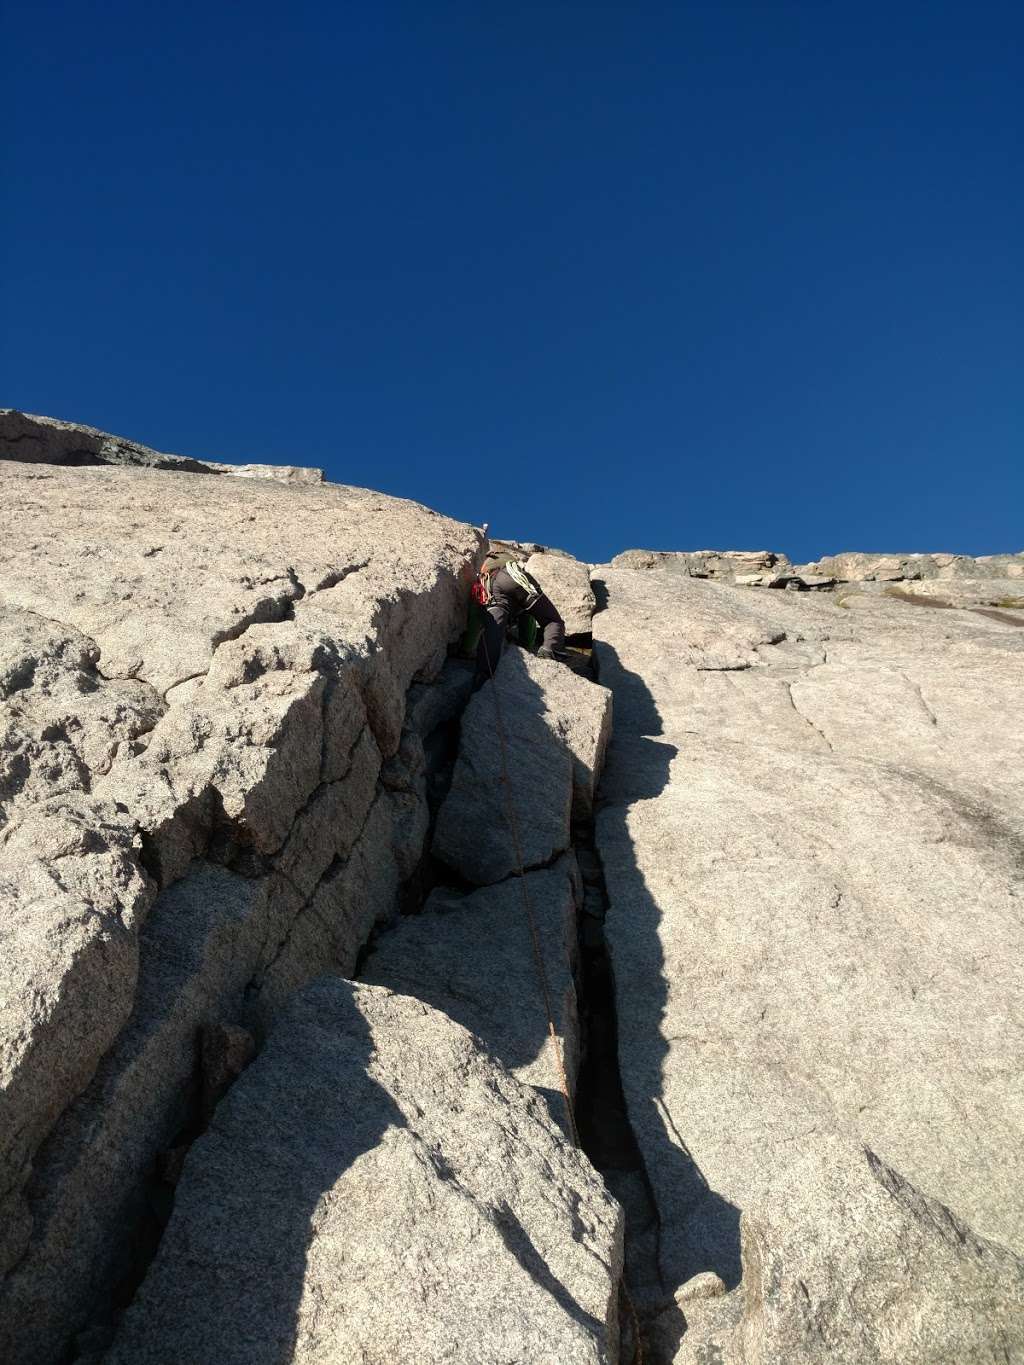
395, 1195
44, 440
556, 727
473, 957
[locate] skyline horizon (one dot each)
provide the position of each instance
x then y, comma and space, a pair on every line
531, 540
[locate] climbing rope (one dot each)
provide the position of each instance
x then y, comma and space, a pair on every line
538, 957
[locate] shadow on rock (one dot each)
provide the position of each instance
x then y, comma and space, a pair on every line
698, 1230
228, 1282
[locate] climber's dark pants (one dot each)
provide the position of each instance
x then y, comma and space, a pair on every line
508, 599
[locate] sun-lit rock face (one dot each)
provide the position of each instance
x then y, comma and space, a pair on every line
396, 1195
811, 828
200, 679
315, 954
44, 440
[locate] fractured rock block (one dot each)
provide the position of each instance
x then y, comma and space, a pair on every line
472, 956
556, 728
374, 1188
88, 1192
843, 1259
74, 898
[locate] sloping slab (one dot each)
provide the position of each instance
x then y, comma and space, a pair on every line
375, 1189
811, 837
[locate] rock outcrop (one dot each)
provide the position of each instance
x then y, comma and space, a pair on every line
472, 956
203, 679
549, 729
43, 440
989, 579
303, 938
375, 1189
530, 752
811, 834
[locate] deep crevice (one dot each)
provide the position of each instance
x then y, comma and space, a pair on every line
602, 1118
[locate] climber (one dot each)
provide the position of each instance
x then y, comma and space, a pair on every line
506, 591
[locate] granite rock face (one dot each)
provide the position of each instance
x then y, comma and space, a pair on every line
811, 833
913, 1284
233, 749
44, 440
472, 956
725, 565
987, 578
858, 568
202, 680
556, 728
394, 1195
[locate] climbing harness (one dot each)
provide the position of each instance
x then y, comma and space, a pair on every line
538, 956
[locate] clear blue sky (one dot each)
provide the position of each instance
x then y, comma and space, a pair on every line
678, 276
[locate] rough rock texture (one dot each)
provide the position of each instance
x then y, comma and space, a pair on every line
201, 682
472, 956
855, 568
556, 728
913, 1284
987, 578
567, 582
375, 1189
44, 440
811, 836
73, 897
229, 740
719, 564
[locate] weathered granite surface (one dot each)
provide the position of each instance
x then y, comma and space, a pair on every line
556, 728
912, 1283
811, 830
375, 1189
202, 680
472, 956
45, 440
226, 727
